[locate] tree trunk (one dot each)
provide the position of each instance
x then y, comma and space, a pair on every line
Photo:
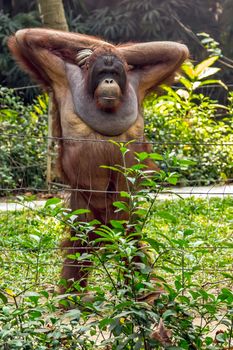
226, 27
52, 14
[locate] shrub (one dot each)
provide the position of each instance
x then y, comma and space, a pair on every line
186, 123
23, 130
183, 122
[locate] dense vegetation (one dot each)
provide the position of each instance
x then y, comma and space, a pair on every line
178, 293
23, 131
191, 254
189, 124
126, 20
185, 123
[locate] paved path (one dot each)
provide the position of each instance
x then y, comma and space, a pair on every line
174, 193
199, 192
11, 206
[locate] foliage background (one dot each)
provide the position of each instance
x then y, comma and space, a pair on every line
170, 119
23, 131
191, 250
125, 20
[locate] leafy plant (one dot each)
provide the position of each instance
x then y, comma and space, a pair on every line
188, 124
149, 20
23, 133
152, 295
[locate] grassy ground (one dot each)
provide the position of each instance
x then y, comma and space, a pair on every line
195, 235
192, 241
199, 237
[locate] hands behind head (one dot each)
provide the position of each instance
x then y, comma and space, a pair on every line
82, 56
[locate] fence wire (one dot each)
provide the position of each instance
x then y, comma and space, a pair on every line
29, 247
37, 257
23, 183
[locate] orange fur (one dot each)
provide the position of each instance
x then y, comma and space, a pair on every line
43, 53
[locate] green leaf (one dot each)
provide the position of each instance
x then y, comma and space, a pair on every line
205, 64
226, 294
186, 83
52, 201
178, 285
118, 223
169, 270
34, 116
227, 275
188, 68
125, 194
10, 292
114, 143
121, 205
141, 212
124, 150
41, 102
153, 243
142, 156
167, 216
220, 338
38, 110
45, 294
209, 340
208, 72
156, 156
105, 322
138, 166
35, 314
168, 313
188, 232
183, 299
214, 81
80, 211
186, 162
172, 179
111, 168
16, 344
3, 297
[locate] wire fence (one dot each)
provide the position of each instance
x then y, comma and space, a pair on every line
30, 252
26, 254
213, 91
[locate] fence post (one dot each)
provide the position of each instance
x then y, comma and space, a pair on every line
49, 146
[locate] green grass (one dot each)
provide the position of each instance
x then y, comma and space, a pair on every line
198, 235
195, 233
29, 249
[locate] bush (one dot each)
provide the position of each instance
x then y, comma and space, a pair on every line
183, 123
190, 125
23, 130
